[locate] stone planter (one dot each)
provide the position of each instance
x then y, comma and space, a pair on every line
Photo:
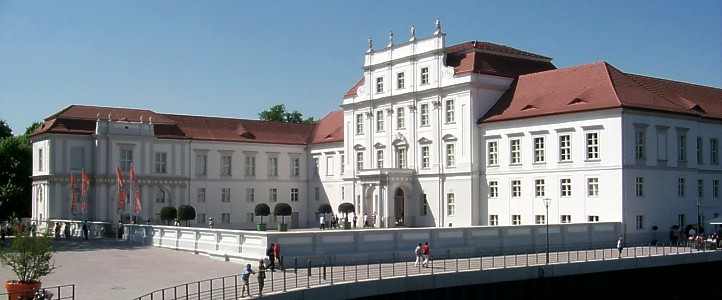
346, 225
261, 227
282, 227
21, 290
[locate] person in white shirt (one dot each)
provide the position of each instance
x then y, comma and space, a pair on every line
418, 254
323, 223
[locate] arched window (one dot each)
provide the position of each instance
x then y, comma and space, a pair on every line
160, 195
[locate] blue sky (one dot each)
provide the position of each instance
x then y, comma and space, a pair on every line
234, 58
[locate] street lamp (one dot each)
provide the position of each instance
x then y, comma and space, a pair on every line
546, 221
699, 219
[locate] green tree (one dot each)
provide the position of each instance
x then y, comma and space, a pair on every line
5, 130
278, 113
15, 172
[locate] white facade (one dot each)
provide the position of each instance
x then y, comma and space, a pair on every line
413, 155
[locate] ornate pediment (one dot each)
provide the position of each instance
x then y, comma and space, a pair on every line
379, 146
359, 147
400, 140
424, 141
449, 138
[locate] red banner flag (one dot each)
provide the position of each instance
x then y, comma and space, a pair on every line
136, 191
84, 183
73, 195
121, 188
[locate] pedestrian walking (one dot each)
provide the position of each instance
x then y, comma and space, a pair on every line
246, 276
66, 230
211, 223
120, 230
271, 258
355, 219
261, 277
366, 220
277, 254
57, 230
33, 229
85, 230
418, 254
426, 252
620, 246
322, 223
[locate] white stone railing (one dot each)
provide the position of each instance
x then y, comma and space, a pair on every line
96, 229
378, 244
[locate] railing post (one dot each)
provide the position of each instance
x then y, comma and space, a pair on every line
235, 286
284, 279
272, 271
331, 274
380, 269
199, 290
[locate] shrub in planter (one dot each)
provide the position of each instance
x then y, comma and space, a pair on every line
186, 213
168, 214
30, 258
262, 210
283, 210
346, 208
325, 209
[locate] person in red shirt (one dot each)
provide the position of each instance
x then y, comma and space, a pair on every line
277, 254
426, 252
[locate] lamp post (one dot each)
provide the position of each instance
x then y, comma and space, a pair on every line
699, 226
546, 221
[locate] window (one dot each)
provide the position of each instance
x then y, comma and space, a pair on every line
273, 194
315, 166
714, 151
249, 217
680, 187
380, 121
273, 166
639, 221
515, 146
715, 189
493, 220
316, 193
493, 152
424, 205
343, 193
661, 145
515, 219
539, 219
161, 162
593, 218
380, 159
516, 188
201, 218
250, 194
359, 124
640, 151
700, 188
425, 160
77, 157
379, 85
226, 165
343, 163
226, 195
401, 157
592, 145
201, 195
294, 195
682, 147
329, 165
201, 165
566, 187
449, 111
359, 161
450, 205
40, 160
160, 196
400, 80
424, 115
681, 220
424, 75
226, 218
450, 156
565, 148
126, 159
493, 189
295, 167
250, 165
566, 219
538, 149
593, 187
700, 154
400, 118
539, 187
639, 186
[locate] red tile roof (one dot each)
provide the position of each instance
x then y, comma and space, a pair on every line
352, 91
77, 119
600, 86
329, 129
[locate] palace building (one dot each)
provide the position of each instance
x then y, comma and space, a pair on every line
431, 134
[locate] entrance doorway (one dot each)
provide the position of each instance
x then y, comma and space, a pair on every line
399, 207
